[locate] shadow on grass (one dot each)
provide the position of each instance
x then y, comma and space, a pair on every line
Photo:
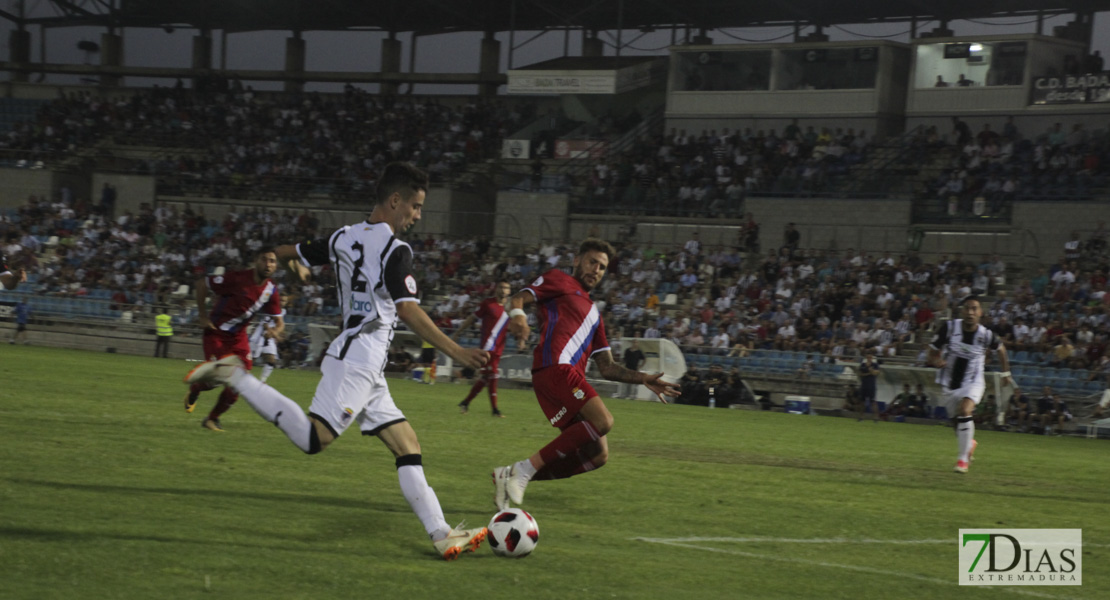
275, 496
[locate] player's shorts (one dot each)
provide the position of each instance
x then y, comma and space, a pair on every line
217, 345
349, 393
268, 346
427, 355
952, 398
562, 391
491, 371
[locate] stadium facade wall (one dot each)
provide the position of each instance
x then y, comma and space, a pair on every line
873, 225
1053, 222
531, 218
132, 191
121, 340
16, 185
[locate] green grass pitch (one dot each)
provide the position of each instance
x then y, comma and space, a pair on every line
109, 490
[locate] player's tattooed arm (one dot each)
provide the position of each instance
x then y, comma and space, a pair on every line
614, 372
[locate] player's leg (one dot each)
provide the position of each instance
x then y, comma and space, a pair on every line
965, 432
588, 458
382, 418
479, 383
582, 422
492, 372
327, 418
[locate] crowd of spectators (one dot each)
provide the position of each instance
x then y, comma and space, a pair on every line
721, 301
680, 173
991, 168
234, 139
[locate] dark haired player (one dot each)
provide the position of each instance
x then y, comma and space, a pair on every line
375, 285
571, 332
959, 352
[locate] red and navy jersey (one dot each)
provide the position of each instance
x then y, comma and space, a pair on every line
239, 298
495, 325
570, 325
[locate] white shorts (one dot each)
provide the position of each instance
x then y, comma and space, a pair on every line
350, 392
268, 346
952, 398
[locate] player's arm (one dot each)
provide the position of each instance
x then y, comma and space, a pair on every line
10, 281
518, 321
277, 330
401, 285
289, 258
421, 324
1004, 362
200, 293
463, 326
615, 372
933, 358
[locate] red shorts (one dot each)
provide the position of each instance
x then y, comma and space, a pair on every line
490, 371
562, 391
218, 345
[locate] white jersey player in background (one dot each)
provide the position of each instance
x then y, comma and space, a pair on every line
374, 280
959, 352
264, 343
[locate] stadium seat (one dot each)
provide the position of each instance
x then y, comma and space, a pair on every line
670, 299
181, 292
218, 271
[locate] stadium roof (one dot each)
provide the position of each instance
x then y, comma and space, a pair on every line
441, 16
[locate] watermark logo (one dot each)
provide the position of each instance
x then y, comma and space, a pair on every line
1021, 557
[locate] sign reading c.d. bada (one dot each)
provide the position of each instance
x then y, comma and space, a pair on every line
1071, 89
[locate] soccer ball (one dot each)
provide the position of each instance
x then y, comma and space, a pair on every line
513, 533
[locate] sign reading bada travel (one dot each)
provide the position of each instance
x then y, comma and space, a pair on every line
1072, 89
1021, 557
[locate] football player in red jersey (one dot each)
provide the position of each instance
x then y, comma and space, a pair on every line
240, 296
494, 314
571, 332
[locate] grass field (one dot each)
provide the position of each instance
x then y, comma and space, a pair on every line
109, 490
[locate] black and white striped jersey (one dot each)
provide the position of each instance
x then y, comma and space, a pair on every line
373, 271
964, 353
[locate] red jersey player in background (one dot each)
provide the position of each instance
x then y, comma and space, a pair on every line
494, 314
571, 332
240, 296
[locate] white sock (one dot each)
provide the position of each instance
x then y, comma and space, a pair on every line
965, 433
422, 499
274, 407
524, 470
266, 370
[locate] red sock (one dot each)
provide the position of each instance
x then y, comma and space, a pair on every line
568, 466
477, 387
569, 441
197, 388
227, 398
493, 393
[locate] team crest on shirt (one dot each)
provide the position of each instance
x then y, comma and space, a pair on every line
577, 393
347, 414
538, 282
410, 284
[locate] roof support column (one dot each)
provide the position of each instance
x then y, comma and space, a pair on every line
111, 55
19, 49
591, 44
294, 61
391, 63
489, 61
202, 52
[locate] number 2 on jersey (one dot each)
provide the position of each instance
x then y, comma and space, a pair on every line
358, 284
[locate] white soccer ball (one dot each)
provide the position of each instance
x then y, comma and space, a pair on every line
513, 533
